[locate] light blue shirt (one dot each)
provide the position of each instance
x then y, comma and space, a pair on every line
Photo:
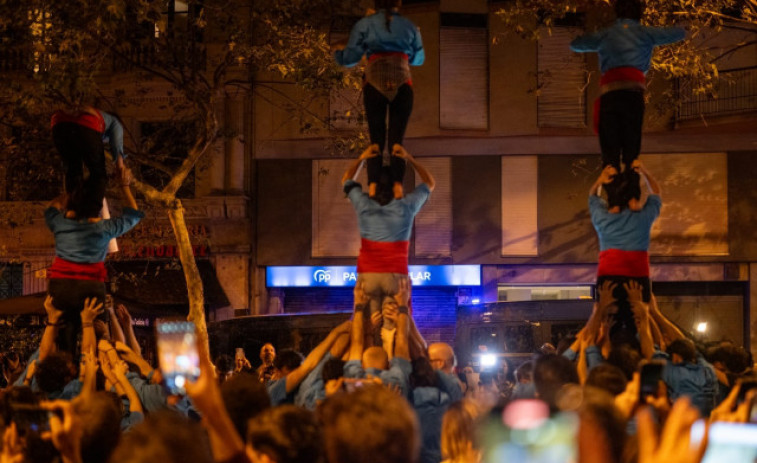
84, 242
114, 134
390, 223
694, 380
626, 230
626, 44
370, 35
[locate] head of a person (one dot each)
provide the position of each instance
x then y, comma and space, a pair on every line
287, 361
629, 9
442, 357
384, 187
682, 351
551, 373
602, 429
608, 378
615, 198
732, 359
244, 397
525, 373
224, 366
387, 4
285, 434
54, 372
626, 357
267, 353
164, 437
370, 425
101, 426
333, 369
84, 204
458, 438
375, 357
423, 374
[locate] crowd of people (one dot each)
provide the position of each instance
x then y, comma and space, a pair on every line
630, 386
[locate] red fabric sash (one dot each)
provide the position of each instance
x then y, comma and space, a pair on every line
617, 75
383, 257
84, 119
64, 269
623, 263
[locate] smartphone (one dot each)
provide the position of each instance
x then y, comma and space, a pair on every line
731, 442
651, 374
29, 417
526, 432
177, 353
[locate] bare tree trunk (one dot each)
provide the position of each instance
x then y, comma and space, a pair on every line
191, 273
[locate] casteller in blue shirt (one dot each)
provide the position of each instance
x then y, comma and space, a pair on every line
626, 44
370, 35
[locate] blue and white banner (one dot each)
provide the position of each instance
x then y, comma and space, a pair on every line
421, 275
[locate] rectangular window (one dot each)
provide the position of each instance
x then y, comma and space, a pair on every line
11, 280
561, 80
513, 293
464, 71
519, 206
335, 231
433, 225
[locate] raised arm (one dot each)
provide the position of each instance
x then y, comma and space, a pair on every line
401, 346
425, 175
59, 202
294, 378
370, 152
357, 331
670, 332
608, 173
116, 333
652, 184
640, 311
92, 308
47, 344
124, 318
125, 182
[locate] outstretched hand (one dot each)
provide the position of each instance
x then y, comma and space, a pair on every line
66, 429
91, 310
361, 297
674, 444
403, 292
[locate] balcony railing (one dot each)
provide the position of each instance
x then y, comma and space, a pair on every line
736, 94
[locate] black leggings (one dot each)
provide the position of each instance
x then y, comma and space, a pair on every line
376, 105
621, 116
68, 296
81, 146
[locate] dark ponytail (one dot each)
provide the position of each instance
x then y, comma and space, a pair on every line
387, 6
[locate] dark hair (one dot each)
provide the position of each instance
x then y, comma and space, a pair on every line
734, 358
384, 187
685, 348
166, 437
224, 363
614, 191
332, 369
54, 372
244, 397
631, 185
599, 407
84, 204
289, 359
387, 6
551, 373
287, 434
101, 426
607, 377
370, 425
423, 374
625, 357
629, 9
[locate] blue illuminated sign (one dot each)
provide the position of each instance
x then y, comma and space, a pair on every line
421, 275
